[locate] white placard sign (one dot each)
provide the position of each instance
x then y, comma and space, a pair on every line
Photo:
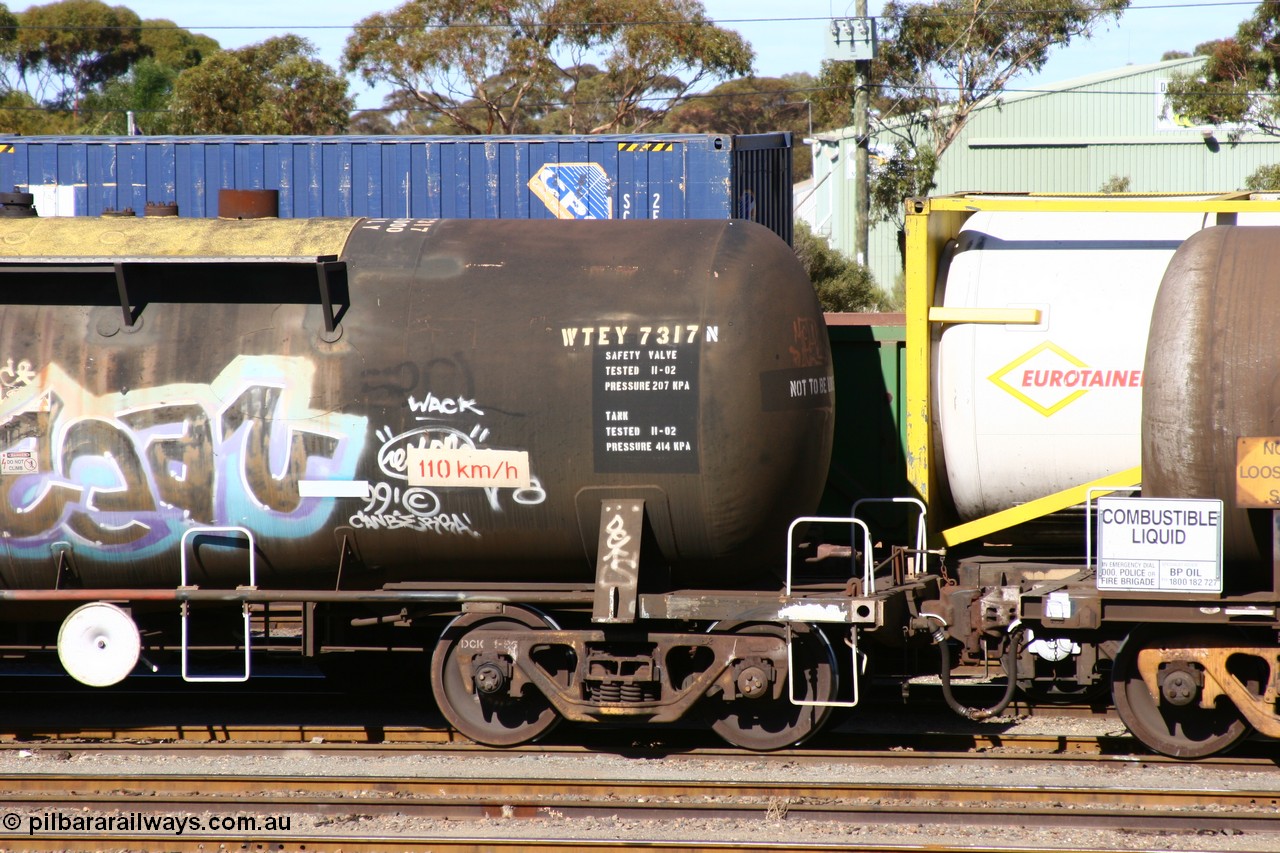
1159, 544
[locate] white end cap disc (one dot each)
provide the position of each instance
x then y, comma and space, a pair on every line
99, 644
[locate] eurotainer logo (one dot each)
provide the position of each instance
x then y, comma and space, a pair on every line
1048, 378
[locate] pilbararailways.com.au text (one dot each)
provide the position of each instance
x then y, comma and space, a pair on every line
141, 822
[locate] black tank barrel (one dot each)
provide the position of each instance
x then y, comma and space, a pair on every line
411, 400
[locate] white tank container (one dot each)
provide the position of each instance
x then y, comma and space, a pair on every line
1024, 411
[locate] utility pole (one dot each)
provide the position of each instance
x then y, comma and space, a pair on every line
854, 39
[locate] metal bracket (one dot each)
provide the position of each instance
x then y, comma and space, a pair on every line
136, 279
64, 564
325, 268
618, 561
123, 287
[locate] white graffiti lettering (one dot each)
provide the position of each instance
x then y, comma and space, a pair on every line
393, 505
619, 560
447, 406
393, 457
452, 524
531, 496
14, 379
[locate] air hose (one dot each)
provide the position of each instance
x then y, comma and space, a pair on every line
1010, 662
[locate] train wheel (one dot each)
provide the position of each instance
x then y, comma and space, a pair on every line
765, 723
1173, 724
480, 706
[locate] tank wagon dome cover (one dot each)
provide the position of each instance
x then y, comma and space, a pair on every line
431, 393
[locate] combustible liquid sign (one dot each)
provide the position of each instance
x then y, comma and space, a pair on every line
1258, 473
1159, 544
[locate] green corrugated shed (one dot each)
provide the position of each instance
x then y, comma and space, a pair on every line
1067, 138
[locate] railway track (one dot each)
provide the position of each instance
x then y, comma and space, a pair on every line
898, 747
47, 809
579, 812
392, 843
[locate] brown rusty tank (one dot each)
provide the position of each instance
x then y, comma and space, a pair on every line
411, 400
1211, 377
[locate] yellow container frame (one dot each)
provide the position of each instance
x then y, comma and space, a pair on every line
930, 224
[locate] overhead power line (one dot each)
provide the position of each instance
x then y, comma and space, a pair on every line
704, 96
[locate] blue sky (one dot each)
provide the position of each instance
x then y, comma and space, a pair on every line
1147, 30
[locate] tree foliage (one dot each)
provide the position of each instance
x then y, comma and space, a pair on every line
78, 66
173, 47
938, 62
841, 284
1264, 179
144, 91
66, 49
1238, 83
1116, 184
502, 66
946, 57
905, 173
20, 113
273, 87
751, 105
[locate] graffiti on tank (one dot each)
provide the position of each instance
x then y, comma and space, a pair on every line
134, 470
394, 507
13, 378
807, 350
390, 383
448, 423
620, 562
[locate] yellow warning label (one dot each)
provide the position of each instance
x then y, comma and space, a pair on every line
6, 149
1258, 472
646, 146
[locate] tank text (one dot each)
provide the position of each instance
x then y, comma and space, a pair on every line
1082, 378
660, 334
810, 386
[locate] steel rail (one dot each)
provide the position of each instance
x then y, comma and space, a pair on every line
486, 802
203, 843
36, 788
535, 808
507, 802
887, 748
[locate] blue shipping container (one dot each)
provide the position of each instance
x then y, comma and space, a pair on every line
669, 176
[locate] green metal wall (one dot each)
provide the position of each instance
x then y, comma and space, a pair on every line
1069, 138
867, 460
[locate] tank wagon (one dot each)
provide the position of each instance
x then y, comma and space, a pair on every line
561, 456
1089, 423
571, 466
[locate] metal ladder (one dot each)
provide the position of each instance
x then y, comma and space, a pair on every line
244, 605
